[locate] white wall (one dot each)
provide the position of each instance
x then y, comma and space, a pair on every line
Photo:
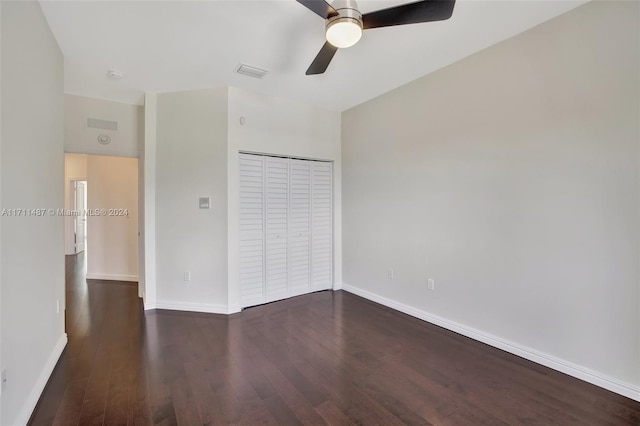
31, 172
112, 239
279, 126
191, 162
125, 142
75, 168
512, 179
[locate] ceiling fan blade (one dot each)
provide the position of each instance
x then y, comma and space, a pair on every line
321, 62
412, 13
320, 7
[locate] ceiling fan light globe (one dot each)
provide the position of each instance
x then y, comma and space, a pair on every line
344, 32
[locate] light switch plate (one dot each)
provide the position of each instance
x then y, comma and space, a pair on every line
205, 202
431, 284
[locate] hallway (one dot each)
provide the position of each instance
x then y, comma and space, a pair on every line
101, 375
324, 358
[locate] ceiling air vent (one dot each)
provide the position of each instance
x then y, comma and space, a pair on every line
250, 71
95, 123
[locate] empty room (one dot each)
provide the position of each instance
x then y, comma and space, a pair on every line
295, 212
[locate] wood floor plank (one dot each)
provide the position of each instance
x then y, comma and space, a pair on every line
139, 412
281, 411
69, 411
333, 415
117, 407
260, 417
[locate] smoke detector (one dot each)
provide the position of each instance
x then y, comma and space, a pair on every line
114, 75
104, 139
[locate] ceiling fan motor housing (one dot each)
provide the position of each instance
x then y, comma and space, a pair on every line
346, 9
347, 13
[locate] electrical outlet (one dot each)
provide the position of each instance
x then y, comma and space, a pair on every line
187, 276
3, 379
431, 284
390, 273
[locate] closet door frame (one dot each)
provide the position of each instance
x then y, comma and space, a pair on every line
291, 292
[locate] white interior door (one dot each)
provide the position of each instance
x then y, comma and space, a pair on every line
80, 222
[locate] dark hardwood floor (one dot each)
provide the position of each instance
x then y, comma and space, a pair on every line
323, 358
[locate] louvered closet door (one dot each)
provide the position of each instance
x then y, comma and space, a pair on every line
277, 224
300, 227
252, 279
321, 226
286, 233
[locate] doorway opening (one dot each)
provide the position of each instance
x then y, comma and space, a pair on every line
79, 215
101, 225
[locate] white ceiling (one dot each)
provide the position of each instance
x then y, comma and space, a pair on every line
164, 46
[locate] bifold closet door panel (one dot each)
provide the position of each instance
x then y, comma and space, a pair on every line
299, 227
251, 230
277, 227
321, 226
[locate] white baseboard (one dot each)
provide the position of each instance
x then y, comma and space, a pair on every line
30, 404
112, 277
148, 305
195, 307
234, 309
555, 363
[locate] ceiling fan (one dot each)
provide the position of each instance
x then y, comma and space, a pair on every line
345, 23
